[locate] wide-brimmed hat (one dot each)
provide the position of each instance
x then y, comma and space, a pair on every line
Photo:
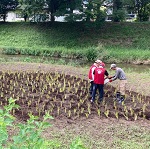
112, 66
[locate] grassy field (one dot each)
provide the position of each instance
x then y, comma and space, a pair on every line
112, 42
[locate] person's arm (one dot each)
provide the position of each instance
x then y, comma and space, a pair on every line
116, 75
110, 77
106, 74
93, 71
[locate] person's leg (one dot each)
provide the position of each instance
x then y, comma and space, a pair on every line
94, 92
91, 87
117, 95
122, 89
101, 92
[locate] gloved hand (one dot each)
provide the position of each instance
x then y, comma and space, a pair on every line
110, 80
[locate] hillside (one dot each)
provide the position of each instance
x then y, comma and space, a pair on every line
112, 37
75, 35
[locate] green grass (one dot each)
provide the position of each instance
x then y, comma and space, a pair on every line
116, 42
109, 134
127, 55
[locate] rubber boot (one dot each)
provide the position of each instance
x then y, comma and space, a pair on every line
100, 100
118, 96
122, 97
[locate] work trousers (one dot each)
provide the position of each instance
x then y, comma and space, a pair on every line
100, 88
91, 87
122, 86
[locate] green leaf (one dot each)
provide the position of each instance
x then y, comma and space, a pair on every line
46, 124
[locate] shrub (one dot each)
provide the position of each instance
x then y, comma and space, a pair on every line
119, 15
98, 52
29, 134
10, 51
6, 120
91, 54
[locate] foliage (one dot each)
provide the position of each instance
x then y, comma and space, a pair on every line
29, 134
142, 7
119, 15
30, 8
77, 144
6, 119
10, 50
75, 10
93, 11
91, 54
98, 52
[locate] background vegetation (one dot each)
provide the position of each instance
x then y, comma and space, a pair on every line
88, 10
112, 42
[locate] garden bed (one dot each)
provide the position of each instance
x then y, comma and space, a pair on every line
64, 93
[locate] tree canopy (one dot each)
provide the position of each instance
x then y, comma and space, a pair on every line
86, 10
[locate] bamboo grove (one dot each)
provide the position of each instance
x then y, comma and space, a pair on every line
61, 94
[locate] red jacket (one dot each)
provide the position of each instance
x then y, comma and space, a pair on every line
99, 74
91, 71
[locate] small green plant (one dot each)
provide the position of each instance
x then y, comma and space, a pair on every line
6, 119
77, 144
29, 135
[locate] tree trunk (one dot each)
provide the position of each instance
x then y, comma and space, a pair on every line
4, 17
52, 18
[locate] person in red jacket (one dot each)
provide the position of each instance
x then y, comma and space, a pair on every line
90, 74
99, 77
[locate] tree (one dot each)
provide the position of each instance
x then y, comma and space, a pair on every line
142, 7
98, 12
74, 10
53, 6
25, 9
93, 10
31, 8
5, 6
118, 11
